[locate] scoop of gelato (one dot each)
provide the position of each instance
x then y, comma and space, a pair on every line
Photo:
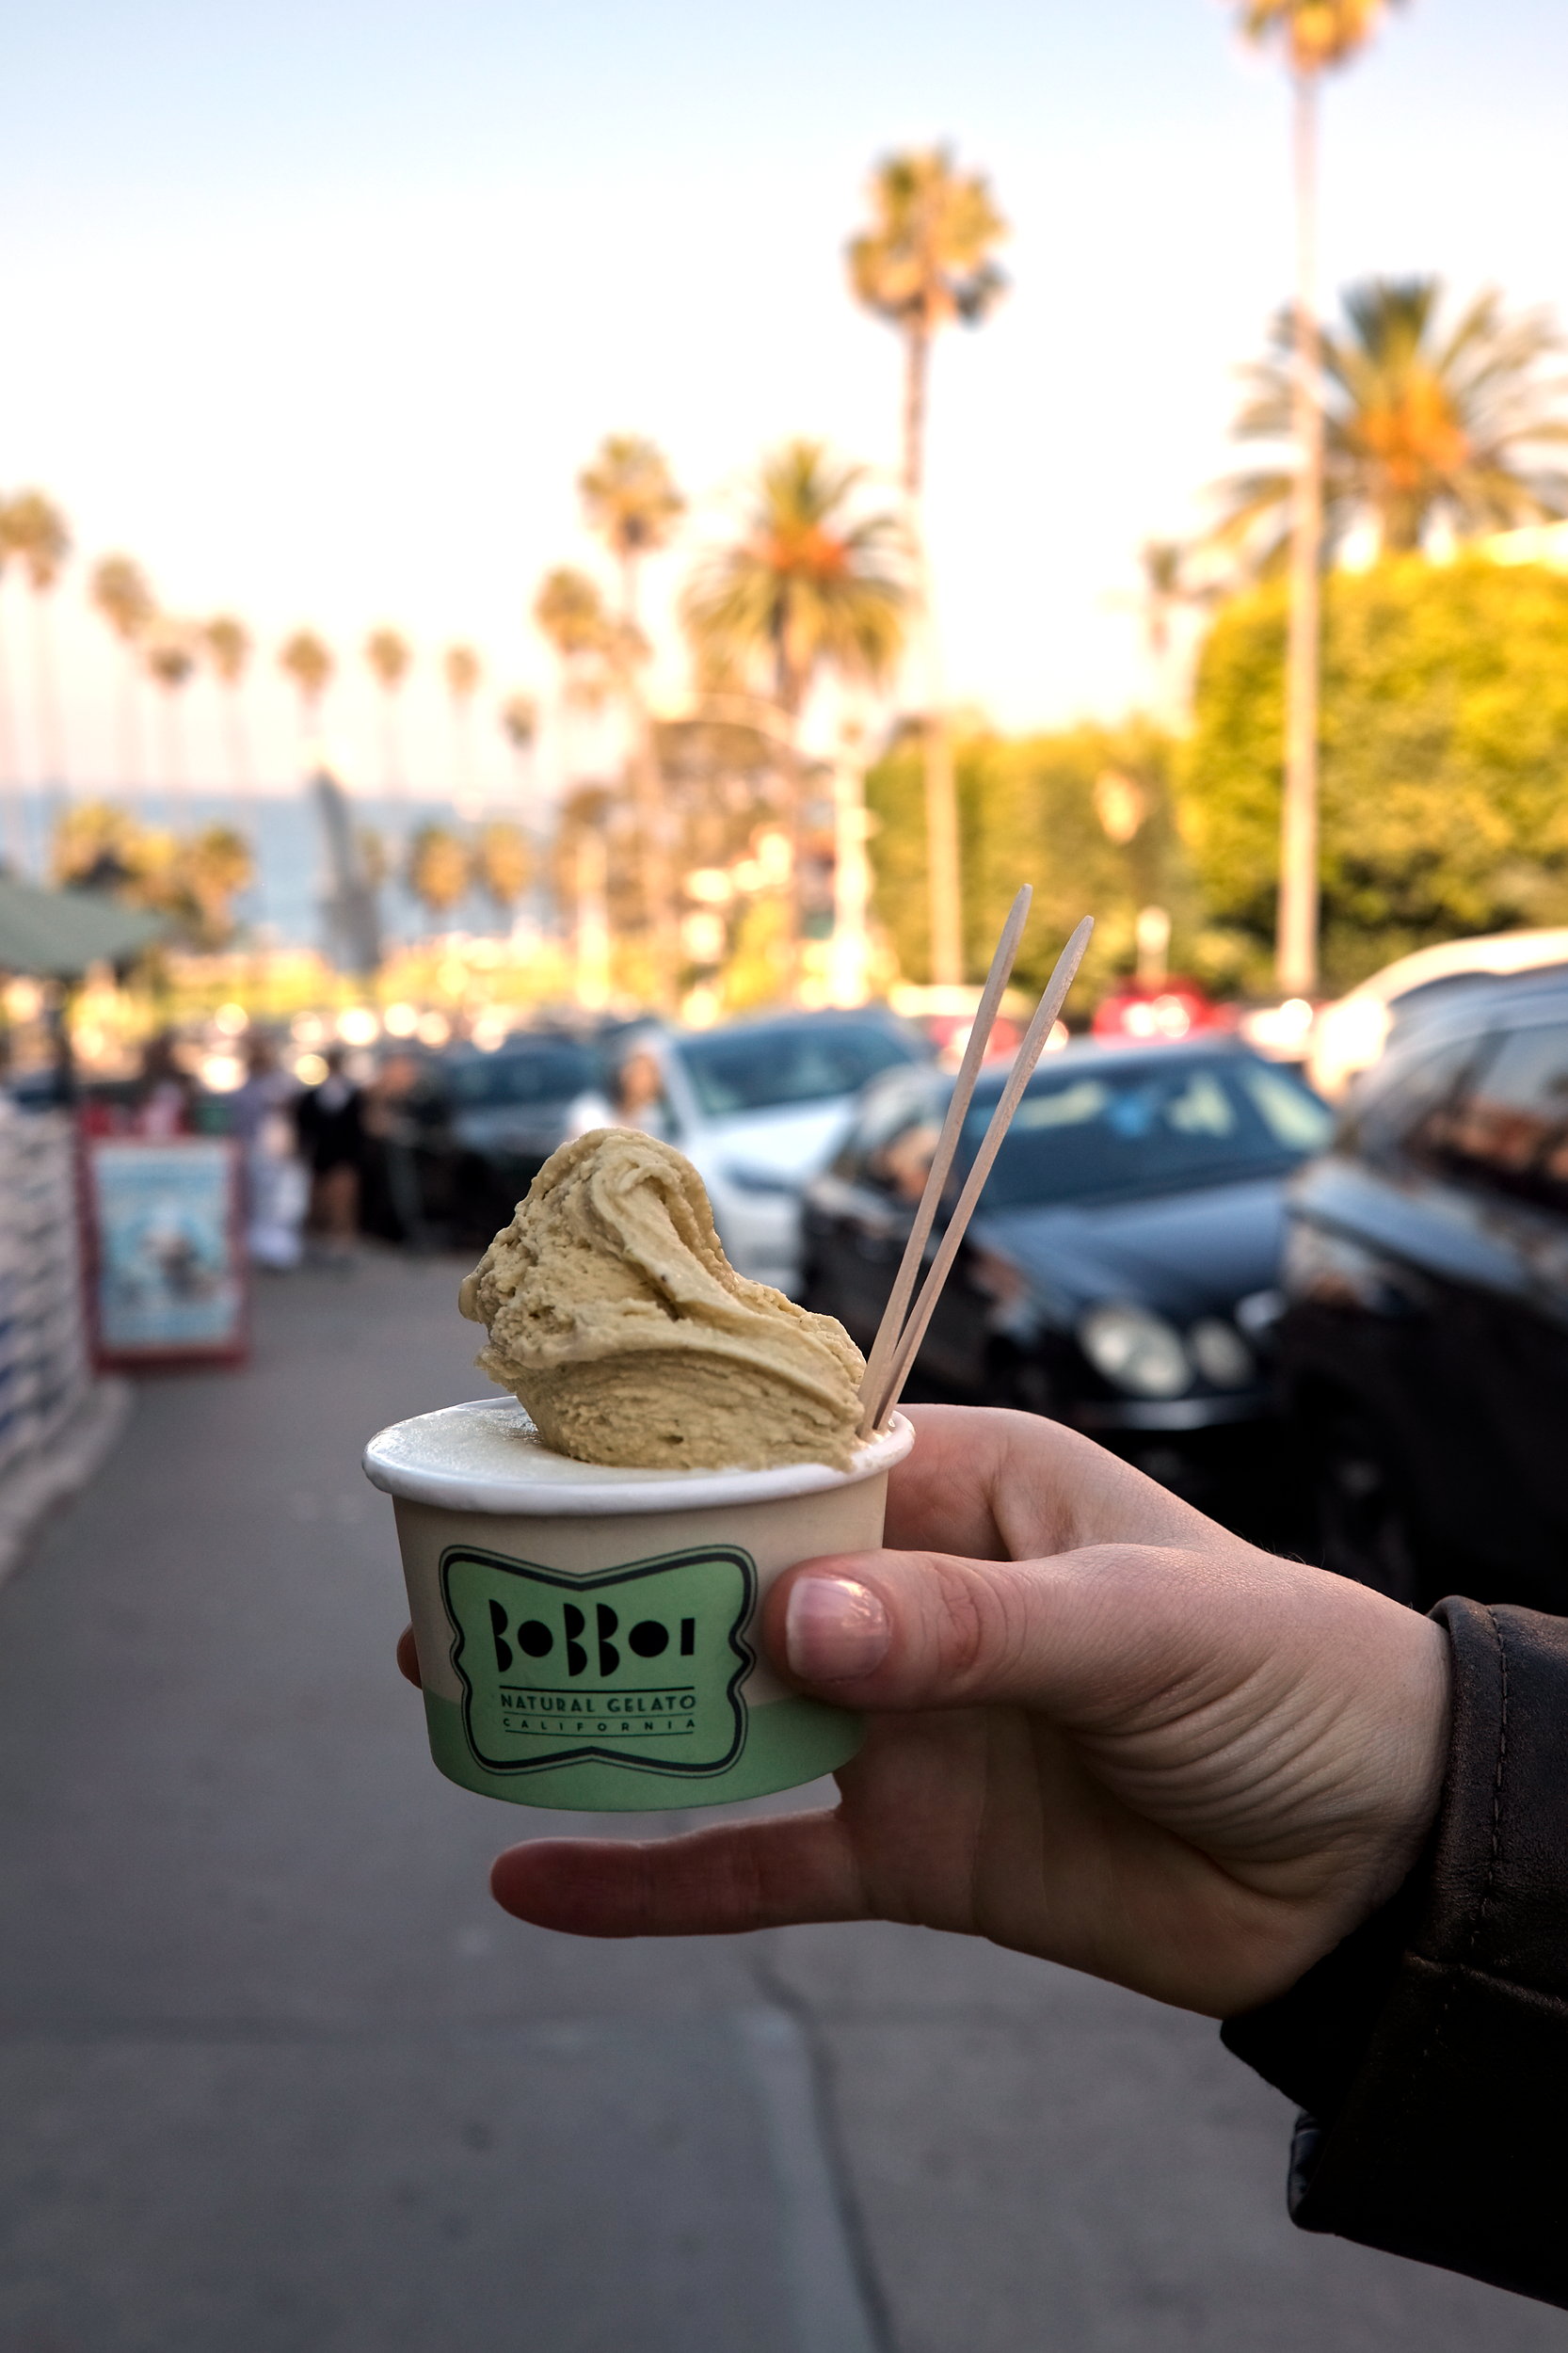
615, 1318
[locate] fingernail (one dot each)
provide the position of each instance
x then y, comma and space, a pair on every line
834, 1630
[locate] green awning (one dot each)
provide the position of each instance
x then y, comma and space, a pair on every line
54, 934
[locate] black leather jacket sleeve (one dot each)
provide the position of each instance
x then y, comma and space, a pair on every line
1430, 2051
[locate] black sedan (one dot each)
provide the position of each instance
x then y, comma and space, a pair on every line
1425, 1346
472, 1132
1120, 1273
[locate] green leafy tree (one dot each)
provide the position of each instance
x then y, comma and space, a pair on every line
1424, 422
1445, 758
95, 846
99, 845
439, 869
1031, 810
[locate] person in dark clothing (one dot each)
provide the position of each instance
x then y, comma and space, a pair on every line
1108, 1732
329, 1121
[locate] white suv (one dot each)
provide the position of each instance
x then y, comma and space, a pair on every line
760, 1107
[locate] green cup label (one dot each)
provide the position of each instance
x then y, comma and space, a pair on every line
639, 1665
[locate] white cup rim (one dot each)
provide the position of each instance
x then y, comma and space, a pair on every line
449, 1459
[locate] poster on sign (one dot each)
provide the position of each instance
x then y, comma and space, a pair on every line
166, 1267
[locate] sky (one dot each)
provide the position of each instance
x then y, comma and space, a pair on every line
318, 308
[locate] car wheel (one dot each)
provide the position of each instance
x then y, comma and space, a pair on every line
1365, 1527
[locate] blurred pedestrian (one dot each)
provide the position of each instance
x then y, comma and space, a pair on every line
164, 1098
636, 1098
329, 1123
275, 1184
393, 1129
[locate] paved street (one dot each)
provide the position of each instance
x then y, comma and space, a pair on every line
276, 2077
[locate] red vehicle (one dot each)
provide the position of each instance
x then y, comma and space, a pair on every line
1146, 1011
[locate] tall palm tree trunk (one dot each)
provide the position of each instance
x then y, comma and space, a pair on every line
1297, 944
240, 777
128, 725
13, 803
591, 944
917, 359
944, 886
50, 723
657, 866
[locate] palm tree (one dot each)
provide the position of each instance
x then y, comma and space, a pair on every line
631, 499
33, 529
569, 612
215, 866
502, 863
812, 584
519, 725
390, 657
309, 662
1423, 423
462, 670
119, 591
925, 262
169, 663
1316, 36
227, 644
438, 869
14, 808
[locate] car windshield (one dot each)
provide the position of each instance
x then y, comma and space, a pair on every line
785, 1062
543, 1074
1079, 1136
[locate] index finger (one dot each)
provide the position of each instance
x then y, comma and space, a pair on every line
768, 1874
990, 1484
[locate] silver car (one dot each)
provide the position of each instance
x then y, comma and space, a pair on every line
760, 1107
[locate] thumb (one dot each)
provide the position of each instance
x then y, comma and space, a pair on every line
1080, 1635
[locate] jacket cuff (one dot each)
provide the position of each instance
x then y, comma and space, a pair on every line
1431, 2049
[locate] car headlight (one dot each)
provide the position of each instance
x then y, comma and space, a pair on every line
1136, 1350
1221, 1355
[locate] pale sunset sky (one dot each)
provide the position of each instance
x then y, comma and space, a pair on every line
316, 307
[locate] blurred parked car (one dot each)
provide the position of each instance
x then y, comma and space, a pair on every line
474, 1129
1351, 1034
1146, 1012
1425, 1346
761, 1106
1120, 1272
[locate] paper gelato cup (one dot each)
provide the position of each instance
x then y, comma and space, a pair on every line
587, 1636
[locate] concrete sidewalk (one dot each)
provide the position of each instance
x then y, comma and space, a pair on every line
277, 2078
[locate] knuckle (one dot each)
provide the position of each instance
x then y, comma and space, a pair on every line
967, 1625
